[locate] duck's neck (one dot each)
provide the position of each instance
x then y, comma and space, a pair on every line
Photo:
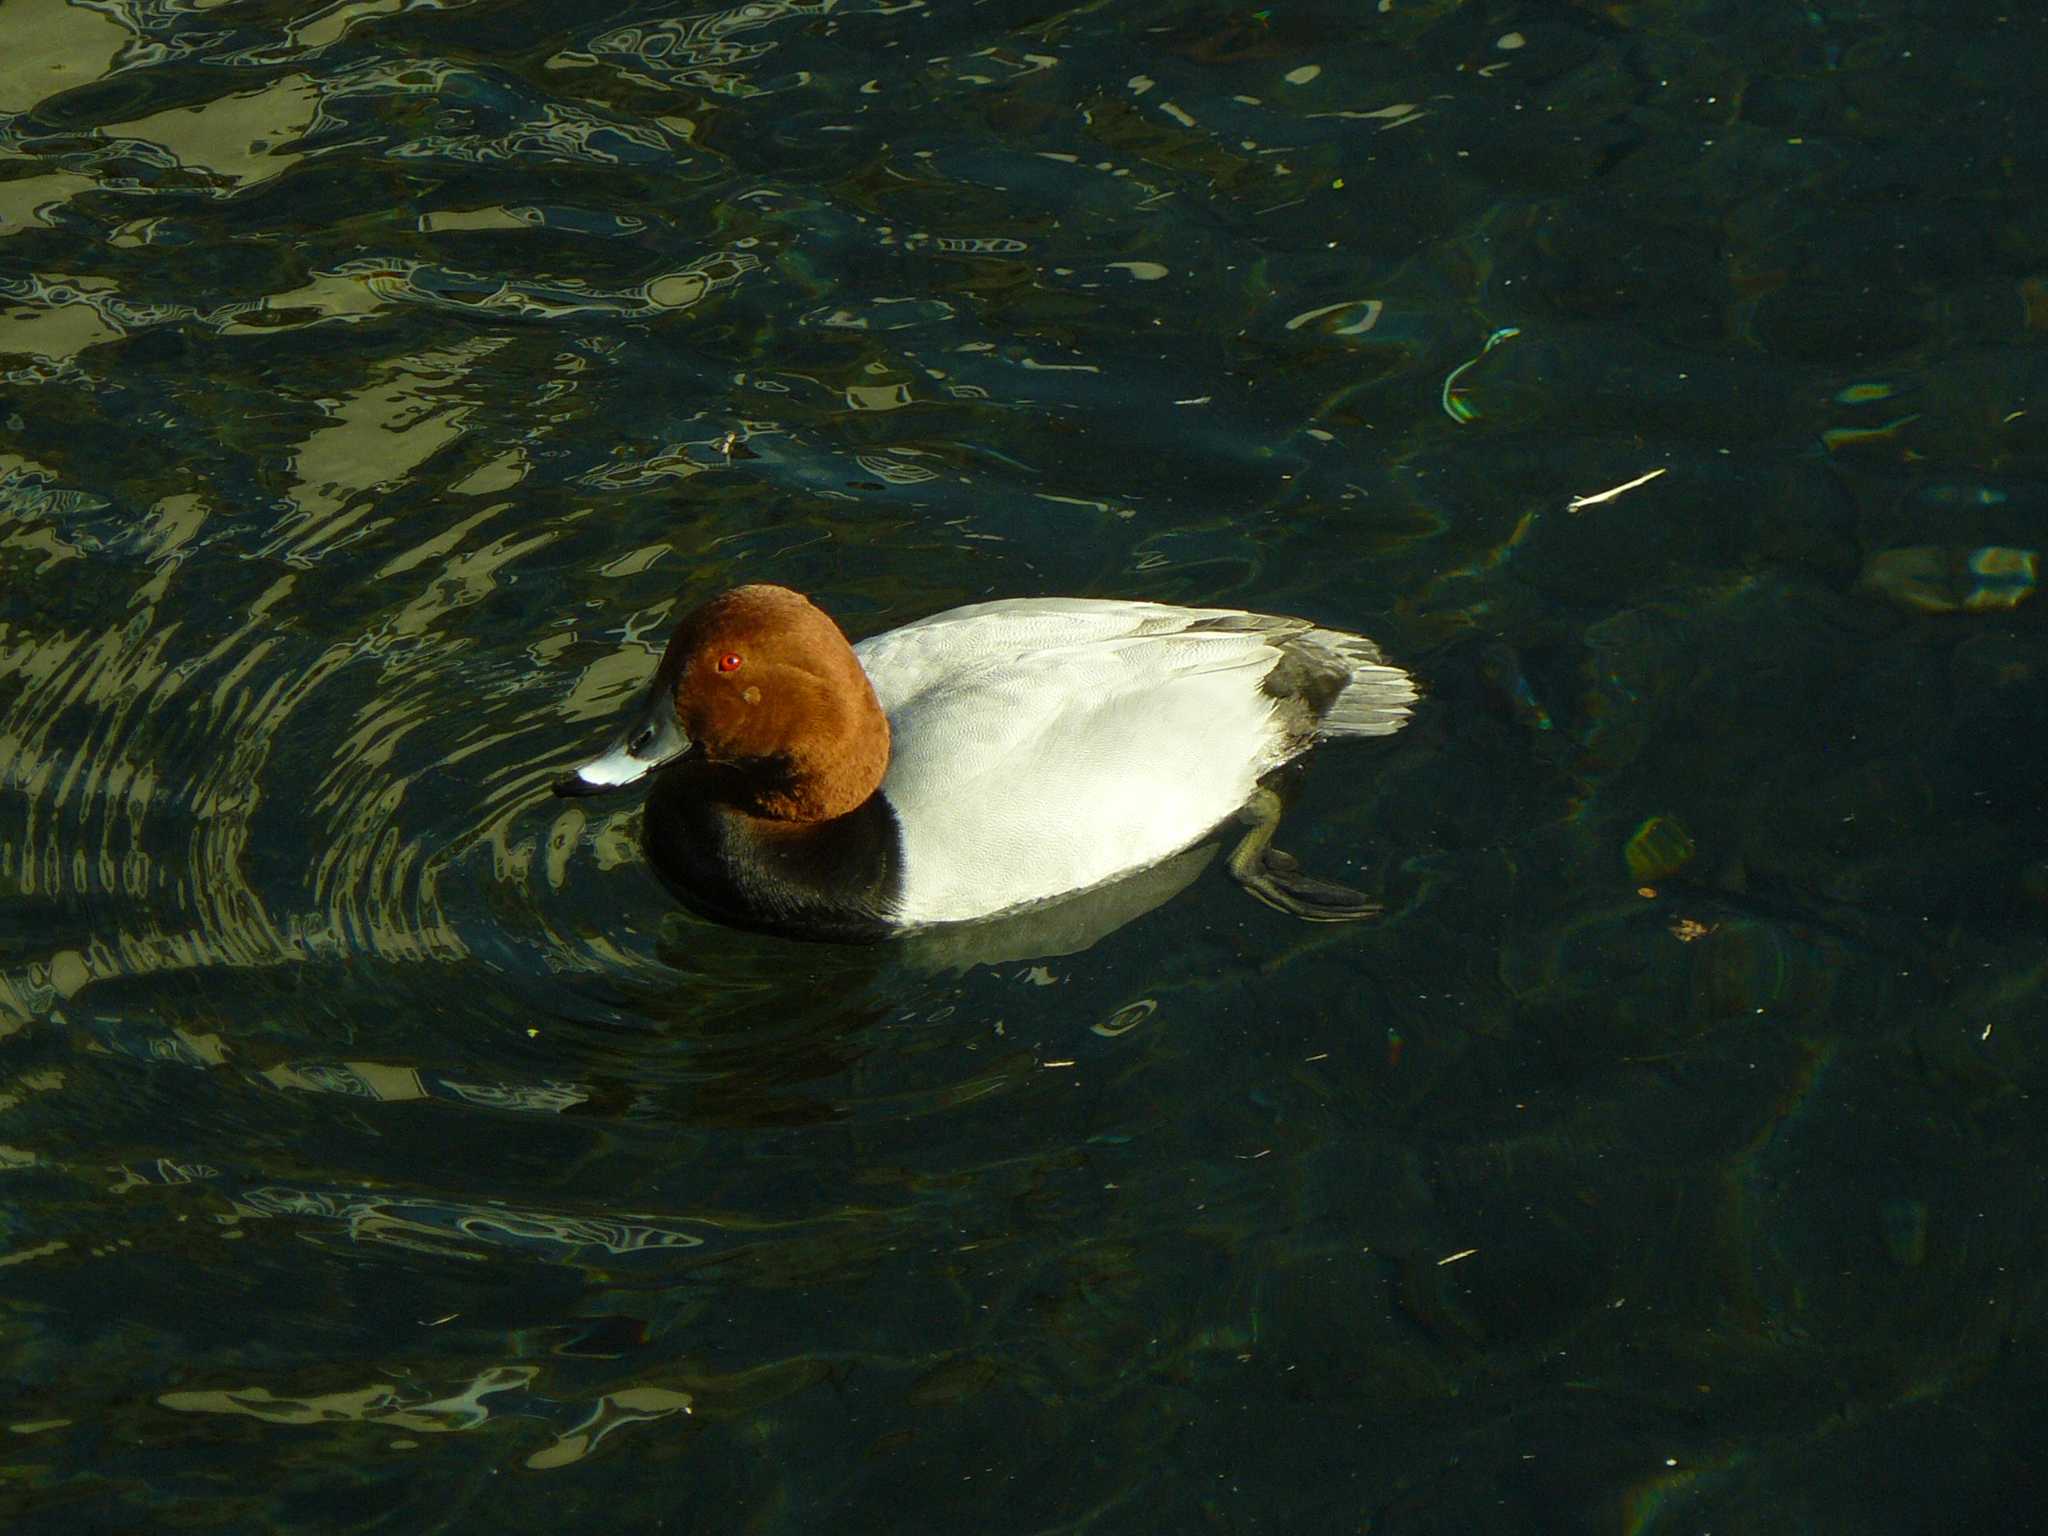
837, 878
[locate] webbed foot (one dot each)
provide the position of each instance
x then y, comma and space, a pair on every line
1276, 878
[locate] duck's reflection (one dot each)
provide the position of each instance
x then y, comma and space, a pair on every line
1064, 927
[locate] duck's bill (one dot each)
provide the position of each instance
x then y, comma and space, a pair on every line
652, 737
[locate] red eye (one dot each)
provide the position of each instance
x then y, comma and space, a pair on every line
729, 662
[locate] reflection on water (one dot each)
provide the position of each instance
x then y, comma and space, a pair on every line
379, 379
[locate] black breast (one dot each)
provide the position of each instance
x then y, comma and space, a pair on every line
838, 880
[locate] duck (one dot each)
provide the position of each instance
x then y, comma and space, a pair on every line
979, 762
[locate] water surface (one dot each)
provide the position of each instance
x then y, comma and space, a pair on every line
378, 381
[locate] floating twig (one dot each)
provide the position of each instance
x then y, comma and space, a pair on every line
1580, 503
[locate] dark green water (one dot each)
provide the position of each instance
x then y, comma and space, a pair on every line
381, 1151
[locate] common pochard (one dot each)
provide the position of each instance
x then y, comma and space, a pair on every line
979, 761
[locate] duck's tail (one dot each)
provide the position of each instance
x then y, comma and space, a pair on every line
1375, 698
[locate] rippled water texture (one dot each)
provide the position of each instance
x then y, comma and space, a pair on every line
383, 1151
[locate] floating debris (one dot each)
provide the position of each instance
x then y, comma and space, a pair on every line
1580, 503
